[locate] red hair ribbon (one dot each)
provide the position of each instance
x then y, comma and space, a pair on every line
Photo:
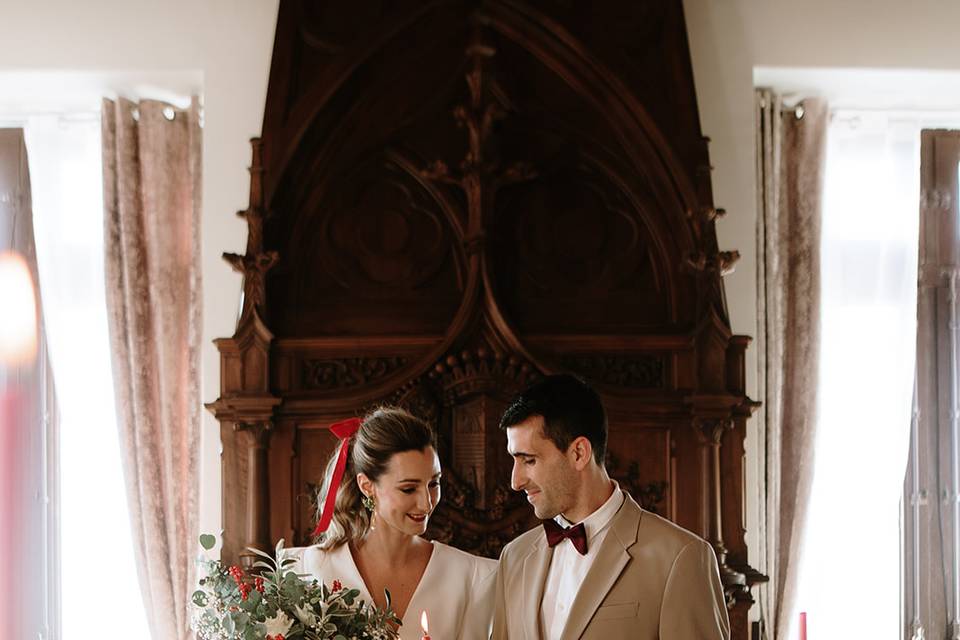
343, 430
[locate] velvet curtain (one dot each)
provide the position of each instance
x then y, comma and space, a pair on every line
790, 162
151, 173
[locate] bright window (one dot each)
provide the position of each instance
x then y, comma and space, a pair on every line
97, 560
850, 571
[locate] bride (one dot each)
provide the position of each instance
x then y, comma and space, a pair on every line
369, 531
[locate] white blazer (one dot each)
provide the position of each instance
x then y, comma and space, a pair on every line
456, 589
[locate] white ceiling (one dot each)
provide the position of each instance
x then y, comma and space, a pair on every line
30, 93
923, 90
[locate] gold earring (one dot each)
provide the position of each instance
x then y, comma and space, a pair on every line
370, 505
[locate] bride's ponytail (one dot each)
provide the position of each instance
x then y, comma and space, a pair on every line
350, 520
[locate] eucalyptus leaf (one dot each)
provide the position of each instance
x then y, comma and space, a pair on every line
262, 554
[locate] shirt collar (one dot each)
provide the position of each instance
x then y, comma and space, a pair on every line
596, 521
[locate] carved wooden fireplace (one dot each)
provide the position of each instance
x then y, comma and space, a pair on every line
452, 199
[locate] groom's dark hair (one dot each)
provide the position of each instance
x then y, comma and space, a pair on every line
570, 408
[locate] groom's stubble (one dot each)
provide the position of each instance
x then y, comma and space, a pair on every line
541, 469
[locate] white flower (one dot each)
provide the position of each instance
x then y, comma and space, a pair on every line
278, 625
306, 616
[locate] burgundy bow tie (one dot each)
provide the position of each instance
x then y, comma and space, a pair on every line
576, 534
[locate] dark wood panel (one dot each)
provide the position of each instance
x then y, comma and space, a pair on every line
312, 449
640, 459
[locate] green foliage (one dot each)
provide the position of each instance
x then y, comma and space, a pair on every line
234, 605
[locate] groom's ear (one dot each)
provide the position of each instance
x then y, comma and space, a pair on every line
580, 452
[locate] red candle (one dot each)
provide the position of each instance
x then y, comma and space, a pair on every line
803, 625
424, 626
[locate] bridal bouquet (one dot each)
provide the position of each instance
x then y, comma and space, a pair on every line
278, 604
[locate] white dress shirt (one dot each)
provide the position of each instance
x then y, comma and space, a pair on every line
568, 568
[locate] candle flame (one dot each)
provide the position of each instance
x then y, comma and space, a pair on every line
18, 322
423, 623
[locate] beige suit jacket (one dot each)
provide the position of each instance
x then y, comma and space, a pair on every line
651, 580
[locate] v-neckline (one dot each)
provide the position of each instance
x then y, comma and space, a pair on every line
416, 590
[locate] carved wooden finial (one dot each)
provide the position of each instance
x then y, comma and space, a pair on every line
708, 214
722, 262
255, 264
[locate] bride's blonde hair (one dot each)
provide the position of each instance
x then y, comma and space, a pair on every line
384, 432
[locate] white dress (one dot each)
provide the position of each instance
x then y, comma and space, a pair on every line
456, 589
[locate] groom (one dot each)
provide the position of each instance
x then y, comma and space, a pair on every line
600, 566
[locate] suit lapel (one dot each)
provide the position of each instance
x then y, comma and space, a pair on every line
611, 559
535, 567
